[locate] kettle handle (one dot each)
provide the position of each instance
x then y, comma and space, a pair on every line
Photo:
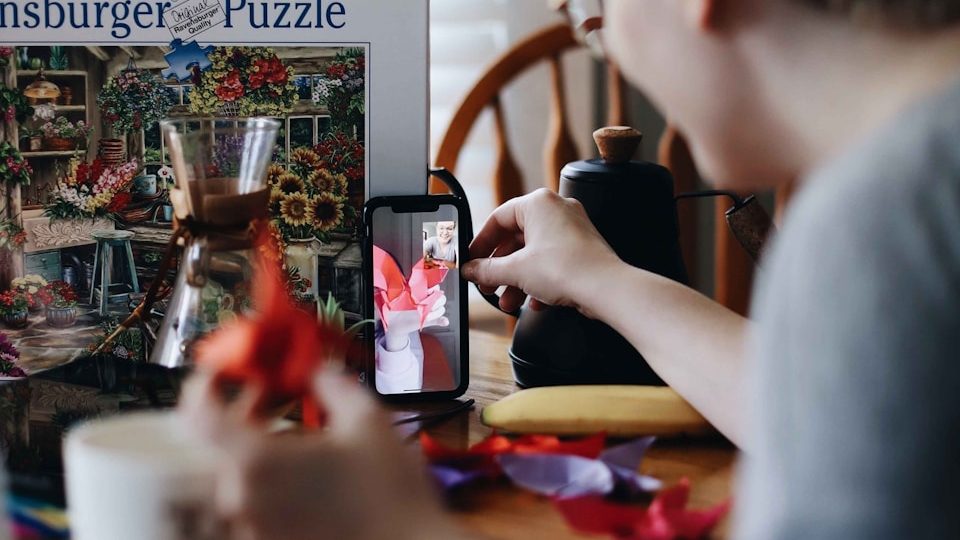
457, 190
748, 221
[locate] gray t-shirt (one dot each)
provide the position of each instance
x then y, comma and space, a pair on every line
433, 248
856, 389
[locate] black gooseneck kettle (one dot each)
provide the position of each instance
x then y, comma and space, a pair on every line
632, 205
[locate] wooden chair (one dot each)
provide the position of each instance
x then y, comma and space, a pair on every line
548, 45
734, 269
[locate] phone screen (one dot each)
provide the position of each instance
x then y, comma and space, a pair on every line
417, 294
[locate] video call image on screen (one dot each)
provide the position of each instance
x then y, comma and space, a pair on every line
416, 304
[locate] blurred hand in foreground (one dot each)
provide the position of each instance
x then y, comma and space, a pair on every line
544, 246
354, 480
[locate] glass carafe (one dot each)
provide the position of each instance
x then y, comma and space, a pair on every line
221, 191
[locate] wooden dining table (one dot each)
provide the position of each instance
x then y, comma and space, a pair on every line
498, 510
489, 509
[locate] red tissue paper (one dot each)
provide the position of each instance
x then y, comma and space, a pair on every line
495, 445
480, 459
277, 351
667, 517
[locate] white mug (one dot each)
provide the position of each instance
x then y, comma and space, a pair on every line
140, 476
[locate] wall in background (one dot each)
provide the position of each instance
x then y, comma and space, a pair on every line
646, 118
466, 36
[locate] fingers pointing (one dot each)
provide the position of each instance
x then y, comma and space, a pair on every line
492, 272
349, 405
501, 225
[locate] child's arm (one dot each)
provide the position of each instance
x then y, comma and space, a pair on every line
696, 345
546, 247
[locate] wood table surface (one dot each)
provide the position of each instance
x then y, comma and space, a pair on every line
501, 511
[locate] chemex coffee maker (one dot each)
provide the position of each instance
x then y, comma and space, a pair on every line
633, 206
220, 197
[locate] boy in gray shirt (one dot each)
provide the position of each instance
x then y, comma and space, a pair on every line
856, 426
843, 388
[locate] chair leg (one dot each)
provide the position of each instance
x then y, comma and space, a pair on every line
132, 267
105, 264
93, 278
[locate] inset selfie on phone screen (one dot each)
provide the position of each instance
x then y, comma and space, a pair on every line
416, 304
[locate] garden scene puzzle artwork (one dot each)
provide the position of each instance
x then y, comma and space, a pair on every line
87, 175
86, 170
99, 227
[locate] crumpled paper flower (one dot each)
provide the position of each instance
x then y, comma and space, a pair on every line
276, 351
394, 292
568, 476
667, 518
455, 468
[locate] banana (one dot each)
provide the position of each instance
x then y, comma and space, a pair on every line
620, 411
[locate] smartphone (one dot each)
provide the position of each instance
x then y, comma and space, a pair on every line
413, 249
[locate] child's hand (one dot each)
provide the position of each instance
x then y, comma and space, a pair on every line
544, 246
355, 480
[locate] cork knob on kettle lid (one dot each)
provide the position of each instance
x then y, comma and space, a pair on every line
617, 144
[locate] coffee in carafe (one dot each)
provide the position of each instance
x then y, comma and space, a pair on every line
221, 191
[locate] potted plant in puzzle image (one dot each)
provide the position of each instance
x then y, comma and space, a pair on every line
58, 57
133, 99
115, 360
14, 106
244, 81
43, 113
9, 360
92, 190
12, 235
128, 345
307, 201
6, 55
14, 310
14, 168
31, 139
152, 155
31, 287
344, 154
61, 304
62, 135
342, 90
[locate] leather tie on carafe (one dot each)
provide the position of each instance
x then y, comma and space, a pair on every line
227, 222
